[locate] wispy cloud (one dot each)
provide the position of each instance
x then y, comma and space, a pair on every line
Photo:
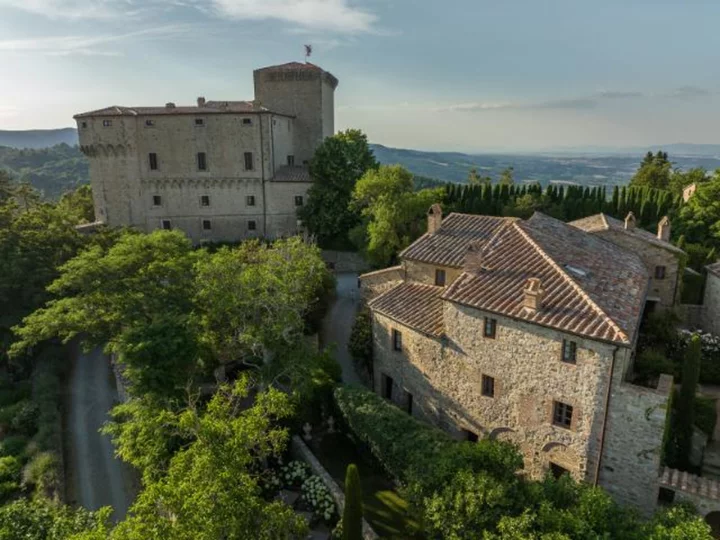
689, 92
97, 45
340, 16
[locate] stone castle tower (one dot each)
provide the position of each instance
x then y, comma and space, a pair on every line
217, 170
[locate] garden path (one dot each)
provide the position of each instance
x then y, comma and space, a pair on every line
337, 325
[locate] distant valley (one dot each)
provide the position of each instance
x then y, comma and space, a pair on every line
49, 160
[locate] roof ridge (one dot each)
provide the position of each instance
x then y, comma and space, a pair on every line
585, 296
604, 220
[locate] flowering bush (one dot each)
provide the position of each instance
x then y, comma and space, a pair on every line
270, 482
295, 473
318, 496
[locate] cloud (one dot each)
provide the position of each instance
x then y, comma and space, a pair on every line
689, 92
611, 94
328, 15
578, 103
87, 45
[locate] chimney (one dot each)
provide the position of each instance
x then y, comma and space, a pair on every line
170, 105
474, 258
533, 295
664, 229
434, 217
630, 221
201, 102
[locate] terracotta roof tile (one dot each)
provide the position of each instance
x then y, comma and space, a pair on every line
593, 288
603, 222
447, 246
210, 107
413, 304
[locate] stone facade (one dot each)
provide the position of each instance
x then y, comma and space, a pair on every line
145, 164
711, 302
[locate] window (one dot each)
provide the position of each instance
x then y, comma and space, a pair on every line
557, 471
199, 122
83, 125
471, 436
490, 327
387, 386
298, 200
149, 123
247, 121
252, 225
291, 161
396, 340
201, 161
250, 200
408, 402
107, 123
152, 158
562, 414
205, 200
488, 386
166, 224
439, 277
659, 272
157, 200
206, 225
569, 351
248, 161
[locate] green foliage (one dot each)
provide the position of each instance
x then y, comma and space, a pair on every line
679, 179
654, 172
42, 473
650, 364
705, 413
392, 210
13, 445
685, 416
42, 519
25, 421
360, 344
353, 511
700, 217
338, 163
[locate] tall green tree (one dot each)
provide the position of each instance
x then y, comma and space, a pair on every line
353, 511
685, 413
700, 216
654, 171
337, 165
506, 176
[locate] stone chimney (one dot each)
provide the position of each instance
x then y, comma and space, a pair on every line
474, 258
170, 105
201, 101
434, 217
533, 295
630, 221
664, 229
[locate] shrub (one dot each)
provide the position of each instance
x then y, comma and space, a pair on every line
360, 344
294, 473
13, 445
353, 511
317, 495
42, 472
651, 363
25, 420
710, 356
705, 414
14, 392
10, 468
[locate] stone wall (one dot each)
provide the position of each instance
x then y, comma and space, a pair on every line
425, 273
302, 452
652, 255
703, 493
375, 283
633, 442
711, 302
444, 378
345, 261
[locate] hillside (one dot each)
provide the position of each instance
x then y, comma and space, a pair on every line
38, 138
53, 170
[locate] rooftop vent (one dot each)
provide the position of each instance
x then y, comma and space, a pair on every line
664, 229
630, 221
533, 295
434, 218
170, 105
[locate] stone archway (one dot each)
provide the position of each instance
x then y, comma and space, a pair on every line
557, 457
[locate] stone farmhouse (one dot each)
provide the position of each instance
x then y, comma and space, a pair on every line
525, 331
220, 170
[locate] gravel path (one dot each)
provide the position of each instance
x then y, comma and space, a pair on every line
95, 477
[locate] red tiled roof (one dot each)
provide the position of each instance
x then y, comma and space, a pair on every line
603, 222
413, 304
593, 288
211, 107
447, 246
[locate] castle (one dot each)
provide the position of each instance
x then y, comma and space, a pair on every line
220, 170
525, 331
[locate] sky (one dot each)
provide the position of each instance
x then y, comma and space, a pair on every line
463, 75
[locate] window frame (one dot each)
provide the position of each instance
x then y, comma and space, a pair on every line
570, 346
299, 201
153, 161
396, 336
251, 225
199, 122
291, 160
202, 161
487, 386
660, 272
250, 200
107, 123
247, 121
248, 157
83, 125
440, 277
149, 122
387, 386
471, 436
492, 334
157, 201
204, 222
204, 198
562, 415
169, 225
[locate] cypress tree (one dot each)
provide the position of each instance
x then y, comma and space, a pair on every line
685, 412
353, 511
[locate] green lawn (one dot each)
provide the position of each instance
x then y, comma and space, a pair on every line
383, 507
